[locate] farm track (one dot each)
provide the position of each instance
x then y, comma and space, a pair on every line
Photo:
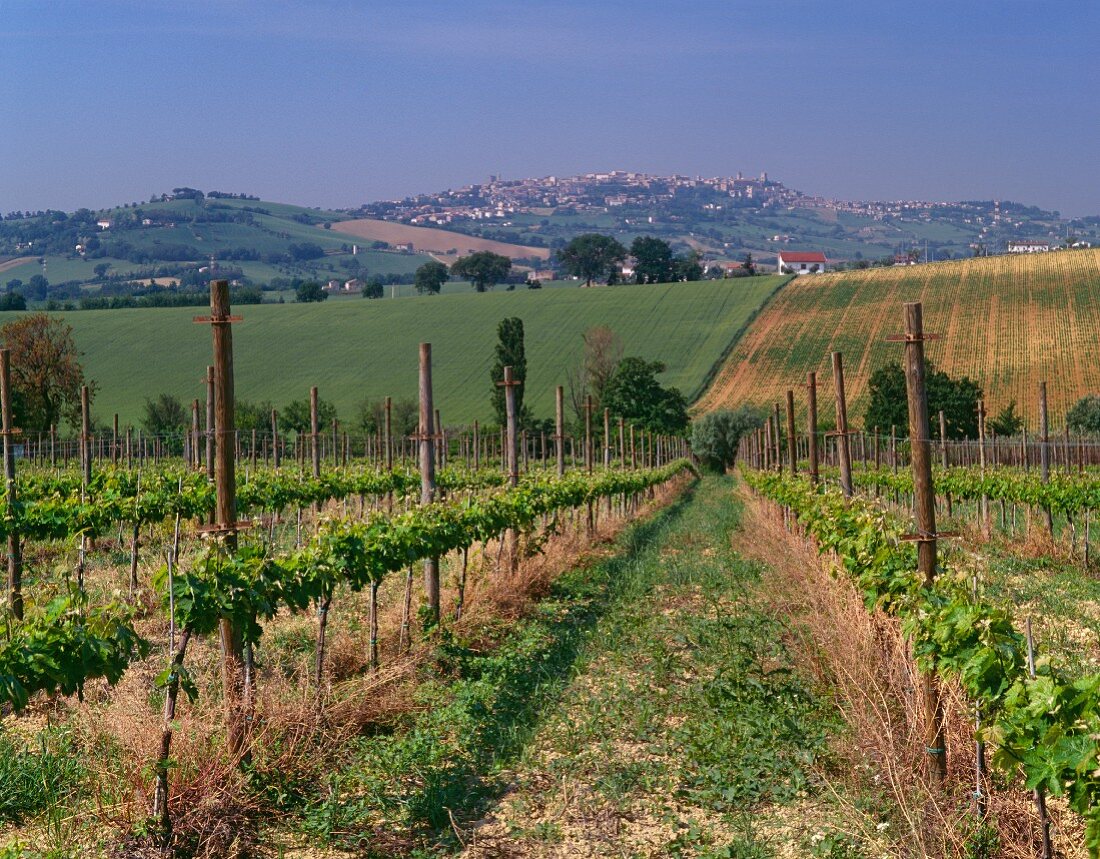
7, 265
682, 698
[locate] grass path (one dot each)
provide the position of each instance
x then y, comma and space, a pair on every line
682, 722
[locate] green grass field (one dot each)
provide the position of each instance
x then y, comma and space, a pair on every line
355, 349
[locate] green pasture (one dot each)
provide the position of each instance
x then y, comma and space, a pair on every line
354, 349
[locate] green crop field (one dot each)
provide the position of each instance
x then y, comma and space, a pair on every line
355, 349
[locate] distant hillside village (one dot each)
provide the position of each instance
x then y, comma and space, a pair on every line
166, 248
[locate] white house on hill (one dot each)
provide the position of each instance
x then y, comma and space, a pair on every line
801, 262
1028, 246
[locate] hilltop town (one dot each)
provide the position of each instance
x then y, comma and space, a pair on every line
727, 215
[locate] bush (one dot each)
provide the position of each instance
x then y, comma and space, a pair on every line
1084, 417
715, 437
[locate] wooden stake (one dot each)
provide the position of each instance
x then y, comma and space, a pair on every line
791, 451
559, 428
843, 448
811, 424
1044, 453
427, 472
15, 548
925, 504
220, 408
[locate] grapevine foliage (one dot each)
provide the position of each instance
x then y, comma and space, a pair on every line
1048, 728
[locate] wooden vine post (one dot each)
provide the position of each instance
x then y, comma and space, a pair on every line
811, 424
844, 451
510, 383
315, 431
925, 504
607, 438
194, 435
588, 407
275, 439
986, 523
210, 422
559, 429
387, 429
943, 455
426, 438
1044, 453
225, 509
15, 553
792, 452
85, 476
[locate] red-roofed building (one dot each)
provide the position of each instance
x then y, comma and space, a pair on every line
801, 262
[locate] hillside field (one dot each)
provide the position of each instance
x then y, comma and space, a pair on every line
434, 240
357, 349
1008, 322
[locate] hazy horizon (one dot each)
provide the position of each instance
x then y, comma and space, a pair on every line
334, 104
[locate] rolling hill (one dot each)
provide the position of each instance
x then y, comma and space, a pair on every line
358, 349
444, 243
1008, 322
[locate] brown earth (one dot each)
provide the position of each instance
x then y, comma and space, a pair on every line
432, 240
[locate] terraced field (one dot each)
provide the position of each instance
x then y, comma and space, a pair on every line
1007, 321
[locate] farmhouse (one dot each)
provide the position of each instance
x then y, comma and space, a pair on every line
801, 262
103, 224
1028, 246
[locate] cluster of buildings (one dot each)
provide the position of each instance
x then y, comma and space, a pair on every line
501, 198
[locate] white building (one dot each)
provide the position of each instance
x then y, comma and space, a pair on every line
1028, 246
801, 262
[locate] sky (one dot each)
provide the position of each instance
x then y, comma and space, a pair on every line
335, 104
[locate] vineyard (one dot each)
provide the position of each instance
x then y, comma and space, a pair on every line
990, 650
1006, 321
282, 602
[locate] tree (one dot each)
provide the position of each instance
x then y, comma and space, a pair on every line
101, 269
1007, 422
295, 417
374, 288
956, 398
715, 436
687, 267
592, 257
165, 416
1084, 417
13, 301
310, 290
602, 353
509, 353
404, 417
46, 371
36, 287
485, 269
748, 264
634, 394
653, 260
431, 276
250, 416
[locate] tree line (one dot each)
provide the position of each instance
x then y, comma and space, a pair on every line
589, 257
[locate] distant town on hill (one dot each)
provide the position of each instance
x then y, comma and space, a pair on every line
727, 216
164, 249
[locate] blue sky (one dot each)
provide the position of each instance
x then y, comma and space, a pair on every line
337, 103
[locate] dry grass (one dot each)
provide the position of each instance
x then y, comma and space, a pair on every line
863, 659
432, 239
214, 812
